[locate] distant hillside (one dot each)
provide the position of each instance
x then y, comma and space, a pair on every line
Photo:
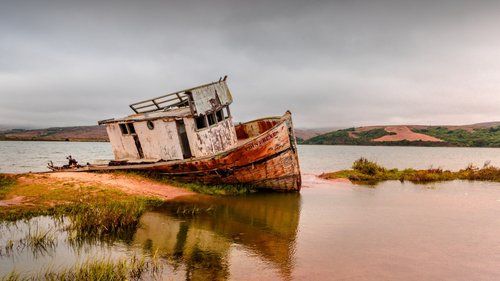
303, 134
480, 135
79, 133
475, 135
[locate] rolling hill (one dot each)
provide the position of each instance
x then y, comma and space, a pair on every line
77, 133
474, 135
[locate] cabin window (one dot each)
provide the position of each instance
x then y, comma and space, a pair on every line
201, 122
220, 115
123, 128
228, 112
211, 119
151, 125
131, 128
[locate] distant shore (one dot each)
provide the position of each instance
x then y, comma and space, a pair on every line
473, 135
56, 140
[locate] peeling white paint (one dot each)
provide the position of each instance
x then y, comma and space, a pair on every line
123, 145
162, 142
211, 140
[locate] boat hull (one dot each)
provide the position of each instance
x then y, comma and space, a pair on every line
266, 158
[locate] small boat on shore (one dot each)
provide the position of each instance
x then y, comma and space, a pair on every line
190, 135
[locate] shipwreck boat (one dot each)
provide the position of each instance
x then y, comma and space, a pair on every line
190, 135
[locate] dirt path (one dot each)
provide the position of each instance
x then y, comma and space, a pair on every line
128, 184
404, 133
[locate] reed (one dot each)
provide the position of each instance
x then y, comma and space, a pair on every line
39, 241
105, 221
98, 269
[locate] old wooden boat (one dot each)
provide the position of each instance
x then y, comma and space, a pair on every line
190, 135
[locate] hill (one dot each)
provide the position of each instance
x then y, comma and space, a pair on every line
77, 133
474, 135
303, 134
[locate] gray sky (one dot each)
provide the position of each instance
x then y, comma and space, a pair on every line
333, 63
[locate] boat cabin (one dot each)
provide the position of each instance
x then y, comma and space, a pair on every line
195, 122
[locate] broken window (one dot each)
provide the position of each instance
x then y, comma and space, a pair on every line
228, 113
123, 128
131, 128
211, 119
220, 115
200, 122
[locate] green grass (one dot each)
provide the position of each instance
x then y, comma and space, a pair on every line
210, 189
39, 241
99, 269
44, 196
219, 189
105, 221
368, 172
6, 181
342, 137
486, 137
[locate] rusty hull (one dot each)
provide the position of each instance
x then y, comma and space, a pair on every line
266, 157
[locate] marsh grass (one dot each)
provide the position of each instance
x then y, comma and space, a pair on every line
45, 197
99, 269
368, 172
6, 181
210, 189
39, 241
105, 221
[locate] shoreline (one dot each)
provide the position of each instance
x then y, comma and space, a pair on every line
59, 140
31, 194
375, 143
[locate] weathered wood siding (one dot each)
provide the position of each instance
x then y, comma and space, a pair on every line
123, 145
160, 143
254, 128
213, 96
211, 140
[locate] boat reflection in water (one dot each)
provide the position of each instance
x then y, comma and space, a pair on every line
197, 234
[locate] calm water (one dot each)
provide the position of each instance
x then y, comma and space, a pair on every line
21, 157
330, 231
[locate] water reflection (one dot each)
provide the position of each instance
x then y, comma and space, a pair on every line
197, 233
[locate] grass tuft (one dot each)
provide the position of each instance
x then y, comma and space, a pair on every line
39, 241
98, 270
104, 221
368, 172
210, 189
6, 181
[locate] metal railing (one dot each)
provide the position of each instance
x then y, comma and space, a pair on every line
173, 100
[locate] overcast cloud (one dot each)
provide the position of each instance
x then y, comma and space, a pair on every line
332, 63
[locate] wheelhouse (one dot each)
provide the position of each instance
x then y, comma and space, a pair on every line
195, 122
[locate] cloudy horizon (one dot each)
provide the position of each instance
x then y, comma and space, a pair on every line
332, 63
